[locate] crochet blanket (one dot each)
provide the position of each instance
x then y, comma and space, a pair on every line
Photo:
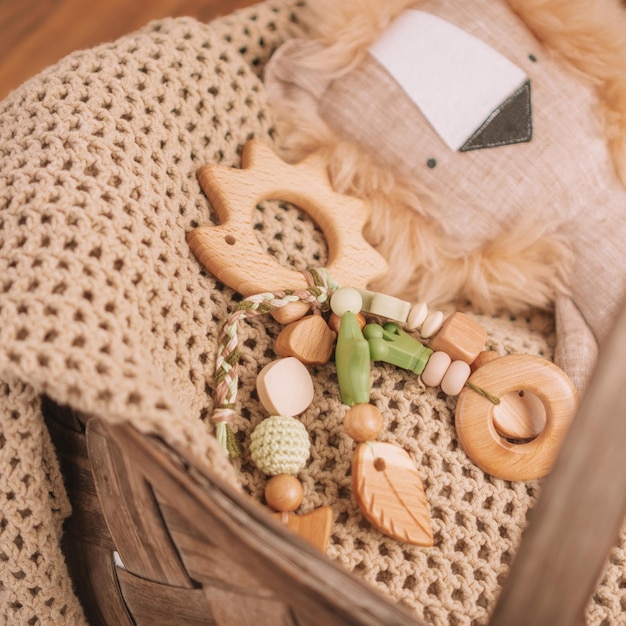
104, 308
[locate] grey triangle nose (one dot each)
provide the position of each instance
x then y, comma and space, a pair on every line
509, 123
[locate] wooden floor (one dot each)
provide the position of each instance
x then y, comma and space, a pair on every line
37, 33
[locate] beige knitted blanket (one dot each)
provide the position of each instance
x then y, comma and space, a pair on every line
104, 308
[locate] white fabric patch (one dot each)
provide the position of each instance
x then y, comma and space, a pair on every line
455, 79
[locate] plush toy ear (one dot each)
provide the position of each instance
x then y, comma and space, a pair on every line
576, 348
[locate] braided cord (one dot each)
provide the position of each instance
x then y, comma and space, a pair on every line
317, 295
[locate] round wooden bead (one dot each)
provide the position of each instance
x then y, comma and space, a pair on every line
417, 315
363, 422
346, 299
436, 369
431, 324
283, 493
455, 378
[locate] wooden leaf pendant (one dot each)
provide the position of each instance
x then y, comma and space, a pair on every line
390, 492
315, 526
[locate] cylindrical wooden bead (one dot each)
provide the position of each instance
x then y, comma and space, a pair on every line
334, 321
417, 315
283, 493
455, 378
431, 324
461, 337
363, 422
436, 369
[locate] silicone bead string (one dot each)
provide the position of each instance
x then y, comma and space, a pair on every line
317, 295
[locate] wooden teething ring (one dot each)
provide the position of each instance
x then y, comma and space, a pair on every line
475, 424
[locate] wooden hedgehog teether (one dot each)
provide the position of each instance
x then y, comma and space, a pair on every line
232, 252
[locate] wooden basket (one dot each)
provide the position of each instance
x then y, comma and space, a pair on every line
195, 551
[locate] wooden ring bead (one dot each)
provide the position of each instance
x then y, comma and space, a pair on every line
474, 416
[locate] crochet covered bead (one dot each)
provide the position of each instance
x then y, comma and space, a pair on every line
280, 445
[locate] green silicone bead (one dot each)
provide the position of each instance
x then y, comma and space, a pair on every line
389, 343
352, 358
346, 299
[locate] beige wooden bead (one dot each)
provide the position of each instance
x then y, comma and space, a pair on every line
285, 387
431, 324
455, 378
363, 422
283, 493
436, 369
461, 337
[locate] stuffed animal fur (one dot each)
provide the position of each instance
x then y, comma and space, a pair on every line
538, 223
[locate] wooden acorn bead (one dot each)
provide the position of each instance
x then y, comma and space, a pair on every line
334, 322
283, 493
363, 422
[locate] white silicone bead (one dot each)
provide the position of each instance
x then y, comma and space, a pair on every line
346, 299
431, 324
417, 315
285, 387
455, 378
436, 369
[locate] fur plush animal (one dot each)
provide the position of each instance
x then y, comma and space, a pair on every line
525, 206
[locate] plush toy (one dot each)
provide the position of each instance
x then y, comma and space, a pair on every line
490, 137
